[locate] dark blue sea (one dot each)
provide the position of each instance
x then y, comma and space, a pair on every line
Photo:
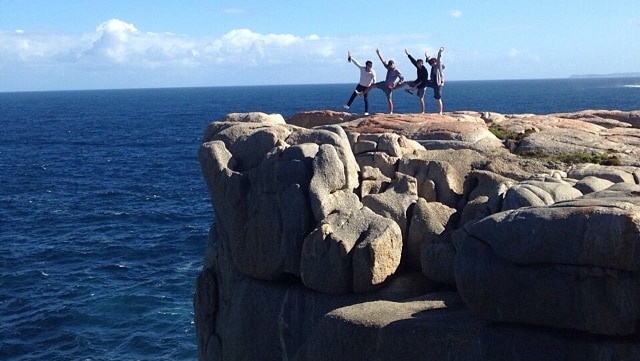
104, 213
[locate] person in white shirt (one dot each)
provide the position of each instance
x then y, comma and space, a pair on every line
367, 78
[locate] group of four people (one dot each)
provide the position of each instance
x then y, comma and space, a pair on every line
394, 80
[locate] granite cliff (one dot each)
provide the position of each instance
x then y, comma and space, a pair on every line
468, 236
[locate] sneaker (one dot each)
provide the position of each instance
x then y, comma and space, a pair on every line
346, 107
409, 91
366, 113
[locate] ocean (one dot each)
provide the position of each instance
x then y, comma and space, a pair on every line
104, 213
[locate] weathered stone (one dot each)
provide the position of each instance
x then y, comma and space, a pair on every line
353, 252
428, 222
310, 119
297, 268
537, 193
335, 136
254, 117
590, 184
580, 259
328, 186
613, 174
387, 164
395, 202
436, 177
483, 195
618, 190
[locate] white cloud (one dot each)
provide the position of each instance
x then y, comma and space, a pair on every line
514, 53
28, 47
234, 11
121, 43
119, 47
455, 13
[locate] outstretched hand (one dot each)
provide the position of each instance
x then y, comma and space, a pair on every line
406, 52
441, 49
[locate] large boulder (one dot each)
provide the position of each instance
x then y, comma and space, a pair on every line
427, 225
254, 117
538, 193
571, 265
351, 252
285, 195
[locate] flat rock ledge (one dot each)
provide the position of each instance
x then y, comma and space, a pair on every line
421, 237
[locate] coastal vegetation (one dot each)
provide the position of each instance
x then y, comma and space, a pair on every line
512, 139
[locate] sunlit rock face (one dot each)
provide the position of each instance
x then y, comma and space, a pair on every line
466, 236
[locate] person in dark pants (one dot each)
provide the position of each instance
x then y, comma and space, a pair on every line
437, 77
367, 77
421, 81
389, 84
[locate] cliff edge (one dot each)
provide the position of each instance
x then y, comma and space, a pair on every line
467, 236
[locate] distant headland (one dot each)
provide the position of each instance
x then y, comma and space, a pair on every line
613, 75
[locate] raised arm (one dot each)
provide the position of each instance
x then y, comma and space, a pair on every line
426, 56
353, 60
440, 53
381, 58
413, 61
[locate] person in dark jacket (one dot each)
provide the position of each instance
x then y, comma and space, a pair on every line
421, 81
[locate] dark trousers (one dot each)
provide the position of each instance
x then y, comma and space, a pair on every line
360, 88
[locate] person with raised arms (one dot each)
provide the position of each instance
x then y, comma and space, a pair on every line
389, 84
367, 78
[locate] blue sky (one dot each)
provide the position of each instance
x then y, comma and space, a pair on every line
95, 44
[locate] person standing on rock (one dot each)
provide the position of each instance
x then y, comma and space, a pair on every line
437, 77
389, 84
367, 78
421, 81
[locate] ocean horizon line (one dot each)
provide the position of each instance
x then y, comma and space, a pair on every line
571, 78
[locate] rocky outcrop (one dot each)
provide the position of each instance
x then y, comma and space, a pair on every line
413, 237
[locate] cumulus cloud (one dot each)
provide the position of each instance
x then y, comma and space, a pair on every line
121, 47
244, 45
514, 53
22, 46
455, 13
116, 42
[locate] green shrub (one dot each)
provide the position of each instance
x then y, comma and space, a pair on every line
505, 135
574, 158
498, 131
